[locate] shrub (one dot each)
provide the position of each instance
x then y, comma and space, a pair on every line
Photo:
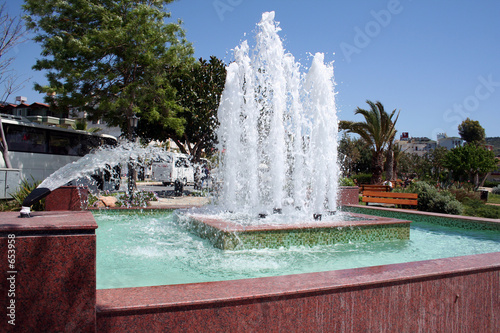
474, 207
7, 205
346, 182
461, 194
432, 200
362, 178
489, 183
496, 190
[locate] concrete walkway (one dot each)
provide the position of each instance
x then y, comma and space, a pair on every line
177, 202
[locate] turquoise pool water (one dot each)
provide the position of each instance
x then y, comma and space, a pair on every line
148, 248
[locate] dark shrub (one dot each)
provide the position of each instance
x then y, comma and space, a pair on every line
362, 178
432, 200
489, 183
461, 194
474, 207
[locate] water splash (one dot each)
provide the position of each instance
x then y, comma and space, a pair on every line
278, 130
100, 158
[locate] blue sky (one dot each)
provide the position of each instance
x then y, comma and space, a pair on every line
436, 61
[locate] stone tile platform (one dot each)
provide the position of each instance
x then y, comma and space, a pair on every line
229, 235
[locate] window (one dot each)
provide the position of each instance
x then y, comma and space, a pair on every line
39, 140
26, 139
61, 143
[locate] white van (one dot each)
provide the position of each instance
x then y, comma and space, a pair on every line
173, 167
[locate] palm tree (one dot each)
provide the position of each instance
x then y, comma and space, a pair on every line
378, 131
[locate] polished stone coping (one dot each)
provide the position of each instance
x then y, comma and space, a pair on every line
421, 213
210, 294
51, 221
230, 226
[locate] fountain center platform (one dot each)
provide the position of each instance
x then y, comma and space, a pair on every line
226, 234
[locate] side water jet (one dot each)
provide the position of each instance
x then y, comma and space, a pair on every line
86, 166
278, 131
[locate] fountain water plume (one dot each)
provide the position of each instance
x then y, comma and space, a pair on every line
85, 167
278, 130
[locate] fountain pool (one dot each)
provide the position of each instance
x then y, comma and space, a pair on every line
56, 252
147, 248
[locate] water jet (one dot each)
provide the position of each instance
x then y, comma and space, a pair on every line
277, 148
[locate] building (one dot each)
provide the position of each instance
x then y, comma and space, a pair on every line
42, 114
417, 146
37, 112
449, 142
423, 145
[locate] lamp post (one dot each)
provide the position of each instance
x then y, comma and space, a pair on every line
133, 122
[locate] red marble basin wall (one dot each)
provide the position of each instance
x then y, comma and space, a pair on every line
52, 282
446, 295
67, 198
348, 195
52, 285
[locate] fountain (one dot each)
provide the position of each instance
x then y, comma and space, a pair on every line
278, 131
54, 270
278, 171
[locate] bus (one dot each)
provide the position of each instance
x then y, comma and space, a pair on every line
173, 167
38, 150
170, 168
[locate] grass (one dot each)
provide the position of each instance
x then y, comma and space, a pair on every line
494, 198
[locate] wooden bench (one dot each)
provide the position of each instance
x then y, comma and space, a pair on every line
376, 188
407, 199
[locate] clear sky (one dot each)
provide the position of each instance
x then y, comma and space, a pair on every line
436, 61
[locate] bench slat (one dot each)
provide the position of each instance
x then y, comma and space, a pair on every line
390, 195
364, 188
396, 201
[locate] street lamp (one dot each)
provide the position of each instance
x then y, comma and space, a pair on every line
133, 122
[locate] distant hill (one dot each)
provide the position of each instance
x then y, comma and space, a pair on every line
495, 142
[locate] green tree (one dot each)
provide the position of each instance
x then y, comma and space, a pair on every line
108, 58
198, 90
349, 154
428, 167
414, 165
354, 155
471, 131
436, 159
378, 131
470, 162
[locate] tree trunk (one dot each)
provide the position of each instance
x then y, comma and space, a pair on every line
395, 169
377, 167
484, 179
180, 146
4, 147
389, 165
